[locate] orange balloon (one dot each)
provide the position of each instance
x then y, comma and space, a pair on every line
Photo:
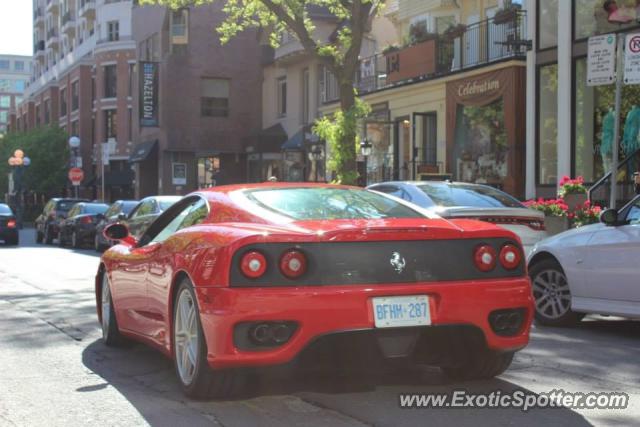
19, 153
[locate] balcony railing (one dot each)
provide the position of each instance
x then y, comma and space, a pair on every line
87, 8
38, 47
52, 33
68, 17
600, 192
478, 44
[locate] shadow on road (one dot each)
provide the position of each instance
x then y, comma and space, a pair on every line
28, 241
141, 374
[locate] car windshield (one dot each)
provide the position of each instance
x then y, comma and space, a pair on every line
166, 203
477, 196
95, 209
5, 210
65, 206
329, 203
127, 207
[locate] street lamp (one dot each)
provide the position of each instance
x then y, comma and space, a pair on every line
18, 163
365, 150
74, 144
316, 155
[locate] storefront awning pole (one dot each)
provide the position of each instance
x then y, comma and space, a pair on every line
616, 127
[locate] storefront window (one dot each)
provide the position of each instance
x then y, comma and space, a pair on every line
380, 162
547, 23
208, 171
595, 120
481, 148
548, 125
591, 17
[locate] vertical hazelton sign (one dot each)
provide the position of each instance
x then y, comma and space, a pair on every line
149, 94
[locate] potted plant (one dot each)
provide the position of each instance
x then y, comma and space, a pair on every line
508, 13
455, 31
573, 192
418, 33
555, 211
390, 49
585, 214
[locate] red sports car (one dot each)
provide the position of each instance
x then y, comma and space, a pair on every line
259, 274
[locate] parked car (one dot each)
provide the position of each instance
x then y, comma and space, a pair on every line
465, 200
262, 274
590, 269
8, 226
118, 211
79, 227
147, 210
48, 222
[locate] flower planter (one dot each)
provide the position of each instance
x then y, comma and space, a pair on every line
455, 32
556, 224
575, 200
412, 61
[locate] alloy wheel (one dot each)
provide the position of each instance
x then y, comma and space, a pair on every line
106, 305
551, 293
186, 337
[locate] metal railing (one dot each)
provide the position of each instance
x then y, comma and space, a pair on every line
478, 44
600, 191
67, 17
52, 33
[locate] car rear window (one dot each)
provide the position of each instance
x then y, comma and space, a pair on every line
95, 209
329, 203
5, 210
469, 195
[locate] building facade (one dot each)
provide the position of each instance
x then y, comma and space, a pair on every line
84, 65
449, 100
15, 72
198, 102
571, 123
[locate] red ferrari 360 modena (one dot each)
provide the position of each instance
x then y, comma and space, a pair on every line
261, 274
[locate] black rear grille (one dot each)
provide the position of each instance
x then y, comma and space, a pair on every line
345, 263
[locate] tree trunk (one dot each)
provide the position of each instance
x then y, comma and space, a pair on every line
346, 167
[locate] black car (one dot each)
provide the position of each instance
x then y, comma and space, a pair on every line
118, 211
147, 211
8, 226
48, 223
80, 225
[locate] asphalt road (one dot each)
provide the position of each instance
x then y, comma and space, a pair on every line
55, 371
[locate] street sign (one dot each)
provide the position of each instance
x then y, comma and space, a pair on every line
76, 175
105, 153
632, 59
601, 61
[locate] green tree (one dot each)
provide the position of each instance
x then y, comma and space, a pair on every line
339, 54
47, 149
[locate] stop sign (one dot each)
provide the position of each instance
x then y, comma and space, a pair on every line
76, 175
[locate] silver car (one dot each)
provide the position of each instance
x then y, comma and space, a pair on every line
475, 201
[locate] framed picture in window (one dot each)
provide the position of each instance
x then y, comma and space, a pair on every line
179, 175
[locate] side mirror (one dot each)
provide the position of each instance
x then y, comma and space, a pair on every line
100, 217
609, 217
120, 232
122, 216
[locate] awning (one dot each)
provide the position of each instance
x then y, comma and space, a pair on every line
268, 140
142, 150
300, 139
121, 178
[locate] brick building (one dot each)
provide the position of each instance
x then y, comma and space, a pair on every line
198, 103
84, 63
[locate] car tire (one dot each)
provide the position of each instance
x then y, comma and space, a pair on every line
552, 295
110, 332
198, 380
97, 246
48, 237
75, 243
12, 242
39, 237
487, 364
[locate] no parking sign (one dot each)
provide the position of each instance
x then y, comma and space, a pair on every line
632, 59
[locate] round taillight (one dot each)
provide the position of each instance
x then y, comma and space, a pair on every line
510, 256
293, 264
253, 264
485, 258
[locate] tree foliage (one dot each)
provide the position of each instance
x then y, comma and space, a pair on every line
339, 54
48, 151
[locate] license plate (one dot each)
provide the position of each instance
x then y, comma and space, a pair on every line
394, 312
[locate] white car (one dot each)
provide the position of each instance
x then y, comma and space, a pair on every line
464, 200
591, 269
